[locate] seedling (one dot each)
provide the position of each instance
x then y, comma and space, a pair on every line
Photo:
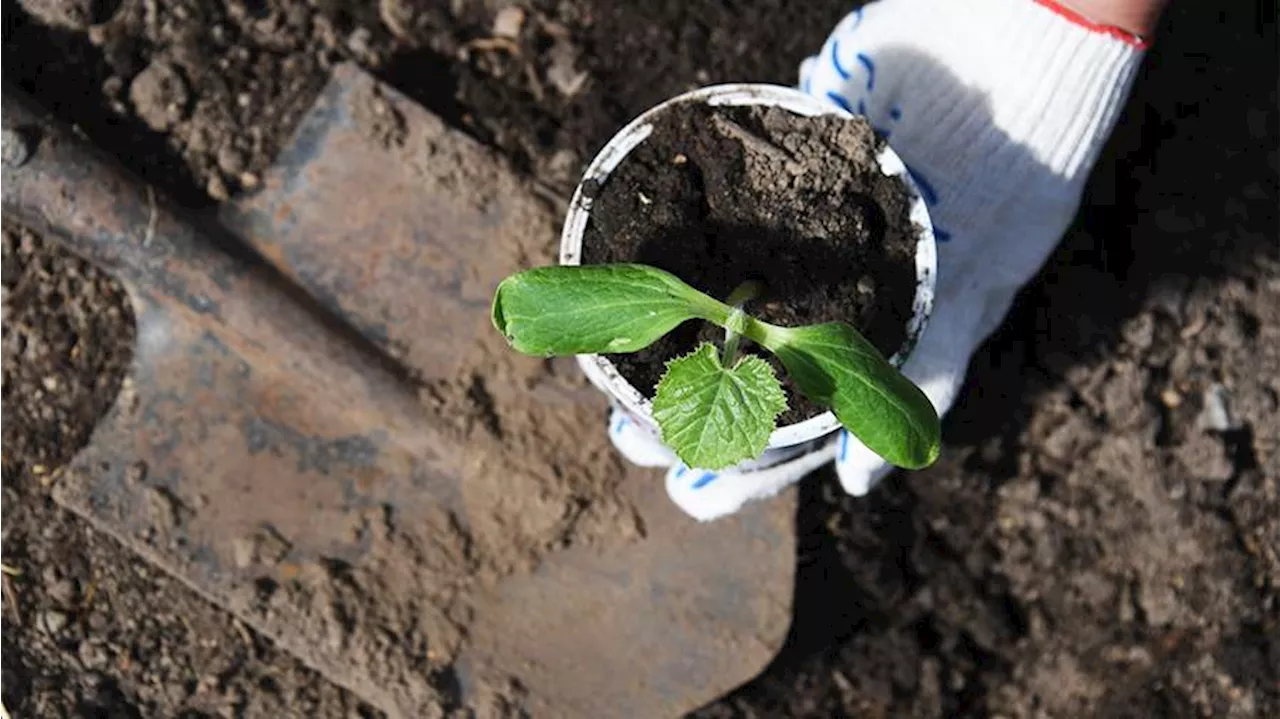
716, 407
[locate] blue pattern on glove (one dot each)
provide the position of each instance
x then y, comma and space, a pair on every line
704, 480
839, 100
620, 422
835, 60
871, 70
868, 64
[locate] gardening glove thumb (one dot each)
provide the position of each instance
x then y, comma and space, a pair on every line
999, 108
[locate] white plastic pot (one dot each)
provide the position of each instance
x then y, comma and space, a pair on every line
788, 440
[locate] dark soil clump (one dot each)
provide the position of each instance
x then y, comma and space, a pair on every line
719, 196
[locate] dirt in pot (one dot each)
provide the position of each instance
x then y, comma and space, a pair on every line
722, 195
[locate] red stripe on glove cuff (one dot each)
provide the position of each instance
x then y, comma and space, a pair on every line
1076, 18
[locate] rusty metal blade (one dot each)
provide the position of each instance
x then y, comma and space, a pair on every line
386, 503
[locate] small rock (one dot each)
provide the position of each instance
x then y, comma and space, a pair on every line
1232, 333
334, 637
1067, 439
1124, 605
242, 552
265, 546
71, 14
62, 591
164, 509
1158, 601
563, 166
402, 17
136, 472
16, 149
160, 96
358, 41
1216, 412
1122, 398
53, 621
198, 139
92, 655
230, 160
1140, 331
217, 189
561, 71
508, 22
1205, 457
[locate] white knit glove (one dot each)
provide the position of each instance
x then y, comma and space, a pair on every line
999, 108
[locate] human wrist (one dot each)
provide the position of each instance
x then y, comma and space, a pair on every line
1132, 20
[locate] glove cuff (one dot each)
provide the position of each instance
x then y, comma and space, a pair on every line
992, 100
1036, 88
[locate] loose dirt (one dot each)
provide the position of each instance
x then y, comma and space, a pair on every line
1099, 538
726, 195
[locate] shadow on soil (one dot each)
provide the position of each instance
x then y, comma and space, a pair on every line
1185, 193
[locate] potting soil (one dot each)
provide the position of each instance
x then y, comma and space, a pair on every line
719, 196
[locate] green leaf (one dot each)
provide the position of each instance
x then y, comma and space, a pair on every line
714, 416
594, 309
836, 367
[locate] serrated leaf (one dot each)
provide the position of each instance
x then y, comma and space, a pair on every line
593, 309
714, 416
835, 366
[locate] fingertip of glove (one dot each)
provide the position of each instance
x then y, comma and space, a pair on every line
635, 445
699, 494
858, 468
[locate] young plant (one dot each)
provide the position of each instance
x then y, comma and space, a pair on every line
715, 407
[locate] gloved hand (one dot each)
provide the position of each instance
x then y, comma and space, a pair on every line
999, 108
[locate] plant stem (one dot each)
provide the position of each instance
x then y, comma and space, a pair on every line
738, 320
731, 341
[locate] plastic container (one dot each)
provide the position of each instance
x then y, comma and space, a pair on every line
789, 440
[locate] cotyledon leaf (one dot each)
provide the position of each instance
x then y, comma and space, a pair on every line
711, 415
835, 366
714, 416
619, 308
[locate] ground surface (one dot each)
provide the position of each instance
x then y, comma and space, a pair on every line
1100, 537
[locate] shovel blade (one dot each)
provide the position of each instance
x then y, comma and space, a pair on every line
335, 445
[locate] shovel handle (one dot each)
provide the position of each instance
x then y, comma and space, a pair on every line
59, 184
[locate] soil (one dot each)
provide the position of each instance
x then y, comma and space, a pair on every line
90, 629
1099, 538
720, 196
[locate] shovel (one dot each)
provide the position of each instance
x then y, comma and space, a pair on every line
322, 433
